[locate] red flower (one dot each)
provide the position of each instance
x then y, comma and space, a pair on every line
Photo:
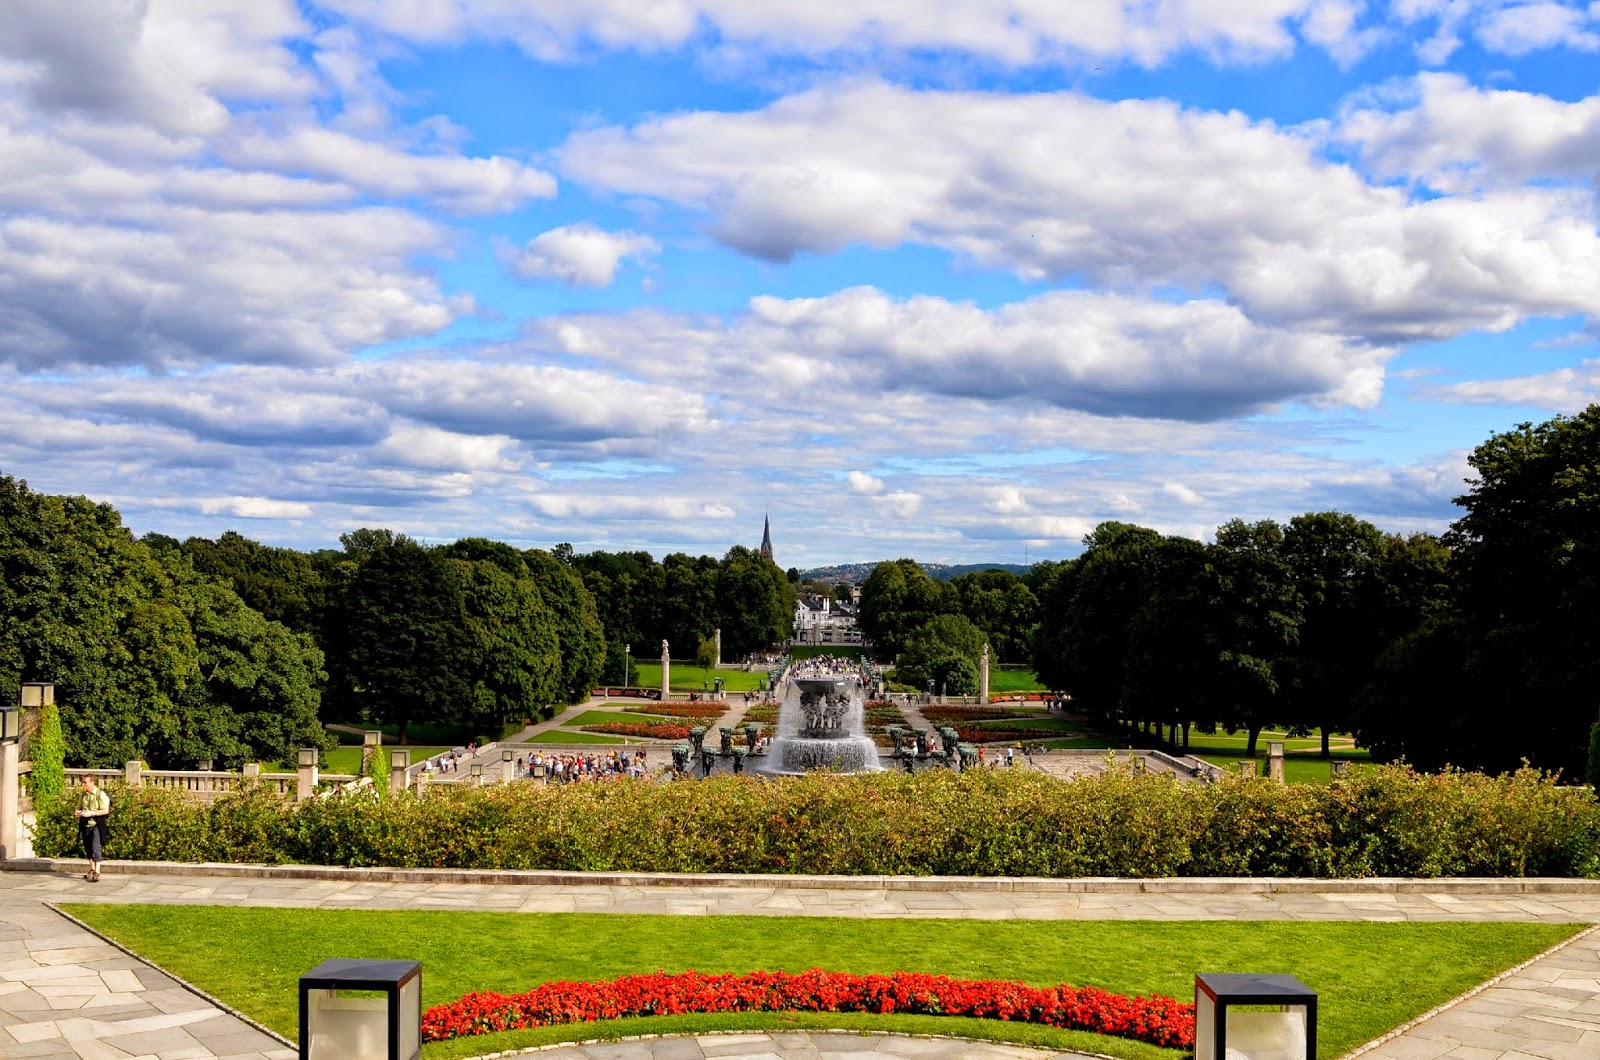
1155, 1019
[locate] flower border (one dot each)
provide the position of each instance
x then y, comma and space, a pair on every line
1155, 1019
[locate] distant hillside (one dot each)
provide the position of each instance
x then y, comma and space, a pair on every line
855, 573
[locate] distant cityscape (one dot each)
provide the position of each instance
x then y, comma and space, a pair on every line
856, 573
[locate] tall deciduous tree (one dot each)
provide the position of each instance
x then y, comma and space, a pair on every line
581, 638
1257, 613
897, 598
753, 603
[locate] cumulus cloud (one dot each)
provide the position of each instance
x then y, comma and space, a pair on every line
165, 63
861, 482
1112, 354
1523, 28
460, 184
200, 286
1450, 135
1181, 493
1000, 30
579, 255
255, 508
1138, 192
901, 504
1560, 390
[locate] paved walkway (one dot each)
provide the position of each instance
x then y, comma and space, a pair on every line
119, 1007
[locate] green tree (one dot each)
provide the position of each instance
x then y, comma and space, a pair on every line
688, 600
945, 649
1001, 604
1257, 612
897, 598
280, 583
581, 639
1336, 562
1527, 550
753, 603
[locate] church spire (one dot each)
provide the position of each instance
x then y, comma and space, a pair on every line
766, 537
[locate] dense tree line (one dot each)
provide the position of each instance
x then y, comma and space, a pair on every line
1478, 648
173, 651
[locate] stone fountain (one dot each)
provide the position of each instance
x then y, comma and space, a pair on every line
822, 725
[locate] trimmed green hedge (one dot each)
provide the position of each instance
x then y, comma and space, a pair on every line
1389, 821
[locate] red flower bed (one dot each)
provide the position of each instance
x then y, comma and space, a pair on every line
643, 730
682, 710
1001, 734
1155, 1019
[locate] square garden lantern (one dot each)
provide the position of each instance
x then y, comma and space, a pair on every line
335, 1026
1285, 1030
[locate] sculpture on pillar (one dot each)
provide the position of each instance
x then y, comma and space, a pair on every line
666, 670
983, 676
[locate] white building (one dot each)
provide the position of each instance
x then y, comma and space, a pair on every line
820, 620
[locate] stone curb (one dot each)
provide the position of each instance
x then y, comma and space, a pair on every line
1077, 885
195, 990
1389, 1036
556, 1046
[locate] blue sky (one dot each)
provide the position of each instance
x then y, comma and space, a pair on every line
957, 281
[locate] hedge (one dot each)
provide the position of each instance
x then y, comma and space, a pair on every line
1389, 821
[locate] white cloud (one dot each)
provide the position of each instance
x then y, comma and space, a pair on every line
430, 447
861, 482
1006, 31
580, 255
1181, 493
464, 185
166, 63
1133, 192
1559, 390
900, 504
1075, 349
1523, 28
1008, 500
1456, 137
255, 508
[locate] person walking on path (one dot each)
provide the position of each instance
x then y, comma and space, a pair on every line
94, 808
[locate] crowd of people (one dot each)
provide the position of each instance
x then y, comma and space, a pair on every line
565, 768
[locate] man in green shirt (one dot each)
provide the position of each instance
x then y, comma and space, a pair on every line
94, 807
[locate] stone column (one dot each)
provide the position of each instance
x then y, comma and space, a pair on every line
508, 765
1248, 769
10, 782
399, 765
1275, 760
307, 786
1340, 767
666, 671
983, 677
133, 773
718, 639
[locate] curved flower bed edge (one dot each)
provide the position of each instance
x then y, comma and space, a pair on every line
1155, 1019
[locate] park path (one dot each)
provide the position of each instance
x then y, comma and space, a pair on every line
1549, 1009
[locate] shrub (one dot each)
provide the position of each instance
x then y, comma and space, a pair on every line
48, 779
1389, 821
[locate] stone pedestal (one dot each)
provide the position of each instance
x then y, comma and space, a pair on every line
307, 781
983, 678
666, 672
1248, 769
133, 773
1275, 760
1340, 767
399, 769
10, 784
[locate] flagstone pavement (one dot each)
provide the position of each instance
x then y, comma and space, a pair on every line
66, 993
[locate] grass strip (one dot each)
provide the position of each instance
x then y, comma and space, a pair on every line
1371, 976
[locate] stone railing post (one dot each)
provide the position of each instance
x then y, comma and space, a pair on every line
399, 769
252, 770
1275, 760
307, 786
133, 773
1340, 768
508, 765
1248, 768
10, 785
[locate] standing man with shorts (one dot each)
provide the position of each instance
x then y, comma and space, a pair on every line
94, 808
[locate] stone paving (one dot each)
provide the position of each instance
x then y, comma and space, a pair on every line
119, 1007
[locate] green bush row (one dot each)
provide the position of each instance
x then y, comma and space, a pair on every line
1387, 822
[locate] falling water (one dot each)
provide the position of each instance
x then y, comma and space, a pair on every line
822, 725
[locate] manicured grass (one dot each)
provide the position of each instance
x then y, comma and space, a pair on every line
562, 736
1079, 743
1296, 770
607, 717
348, 759
687, 677
1370, 976
1004, 681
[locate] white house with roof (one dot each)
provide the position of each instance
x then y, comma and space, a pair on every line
819, 619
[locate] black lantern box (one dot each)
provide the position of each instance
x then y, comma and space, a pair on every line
334, 1026
1254, 1017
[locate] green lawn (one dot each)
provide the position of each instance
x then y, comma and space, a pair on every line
1296, 770
562, 736
1002, 682
1369, 976
348, 759
606, 717
687, 677
1078, 743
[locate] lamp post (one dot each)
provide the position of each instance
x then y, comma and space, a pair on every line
1221, 1029
361, 1028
